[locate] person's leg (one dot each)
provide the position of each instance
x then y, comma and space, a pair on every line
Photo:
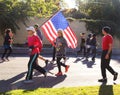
110, 69
81, 49
42, 58
59, 67
3, 55
54, 52
103, 64
103, 67
9, 52
30, 66
94, 53
84, 48
87, 54
59, 64
62, 64
65, 59
40, 69
66, 66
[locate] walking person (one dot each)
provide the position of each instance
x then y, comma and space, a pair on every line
54, 55
93, 46
82, 44
35, 45
8, 40
107, 42
61, 44
38, 32
88, 46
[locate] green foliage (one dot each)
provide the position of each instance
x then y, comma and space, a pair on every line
102, 12
13, 11
10, 12
95, 26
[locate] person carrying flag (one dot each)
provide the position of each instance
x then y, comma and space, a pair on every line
61, 44
38, 32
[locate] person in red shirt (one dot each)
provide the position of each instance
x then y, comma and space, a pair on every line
107, 42
35, 45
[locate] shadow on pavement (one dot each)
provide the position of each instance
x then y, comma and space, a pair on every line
47, 68
78, 59
106, 90
89, 64
39, 81
1, 61
6, 85
84, 61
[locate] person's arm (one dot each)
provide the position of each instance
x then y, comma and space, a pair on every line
37, 43
110, 41
65, 43
109, 51
11, 40
41, 57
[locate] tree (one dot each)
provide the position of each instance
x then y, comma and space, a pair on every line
12, 11
104, 12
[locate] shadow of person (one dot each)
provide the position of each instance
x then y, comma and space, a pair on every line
42, 82
2, 61
106, 90
88, 63
6, 85
78, 59
47, 68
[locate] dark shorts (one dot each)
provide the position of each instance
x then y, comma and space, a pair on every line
7, 46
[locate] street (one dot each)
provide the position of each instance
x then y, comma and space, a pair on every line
80, 73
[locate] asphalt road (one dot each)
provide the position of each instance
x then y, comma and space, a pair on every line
81, 73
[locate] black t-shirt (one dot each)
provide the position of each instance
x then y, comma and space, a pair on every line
82, 42
93, 42
88, 41
7, 40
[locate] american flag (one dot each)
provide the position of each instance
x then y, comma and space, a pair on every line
56, 22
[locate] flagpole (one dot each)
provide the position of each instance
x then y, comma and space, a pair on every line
51, 16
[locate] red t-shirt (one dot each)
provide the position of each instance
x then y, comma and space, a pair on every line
36, 42
106, 40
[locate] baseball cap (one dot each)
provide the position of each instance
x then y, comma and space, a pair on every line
31, 28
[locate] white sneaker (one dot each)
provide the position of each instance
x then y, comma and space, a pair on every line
28, 81
34, 72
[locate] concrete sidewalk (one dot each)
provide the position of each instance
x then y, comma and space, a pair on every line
81, 73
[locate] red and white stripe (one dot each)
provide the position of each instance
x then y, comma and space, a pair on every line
49, 31
70, 37
51, 34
